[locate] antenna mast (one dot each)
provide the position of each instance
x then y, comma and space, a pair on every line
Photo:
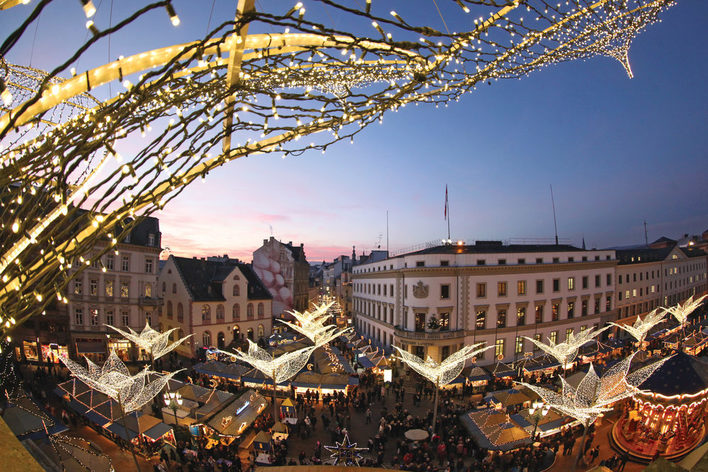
555, 224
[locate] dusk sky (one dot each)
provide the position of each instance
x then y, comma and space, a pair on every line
617, 151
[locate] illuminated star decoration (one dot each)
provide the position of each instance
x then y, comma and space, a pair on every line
152, 341
345, 452
594, 395
680, 311
566, 352
114, 380
641, 327
312, 324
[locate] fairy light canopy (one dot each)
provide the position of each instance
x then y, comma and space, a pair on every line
114, 379
446, 371
152, 341
253, 85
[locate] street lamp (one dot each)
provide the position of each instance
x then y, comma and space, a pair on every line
173, 400
537, 411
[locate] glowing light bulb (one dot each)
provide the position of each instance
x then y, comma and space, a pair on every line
89, 8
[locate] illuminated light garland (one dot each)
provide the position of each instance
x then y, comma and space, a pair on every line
441, 373
641, 328
152, 341
310, 79
566, 352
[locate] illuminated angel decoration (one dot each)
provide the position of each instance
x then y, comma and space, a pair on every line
680, 311
641, 327
153, 342
441, 373
279, 368
566, 352
595, 394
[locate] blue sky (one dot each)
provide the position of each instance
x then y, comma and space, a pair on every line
617, 151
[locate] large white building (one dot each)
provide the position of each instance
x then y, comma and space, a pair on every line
220, 301
118, 288
487, 292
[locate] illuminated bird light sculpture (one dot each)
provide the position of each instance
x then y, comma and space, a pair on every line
566, 352
594, 395
114, 380
641, 327
279, 368
311, 324
153, 342
441, 373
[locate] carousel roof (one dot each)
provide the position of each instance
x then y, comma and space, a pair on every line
680, 374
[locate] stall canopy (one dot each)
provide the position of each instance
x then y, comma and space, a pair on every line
231, 371
90, 348
26, 420
157, 431
477, 374
510, 397
238, 415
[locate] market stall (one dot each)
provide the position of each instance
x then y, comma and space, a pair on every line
233, 420
288, 412
263, 446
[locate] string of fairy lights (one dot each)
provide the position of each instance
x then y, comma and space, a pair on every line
266, 91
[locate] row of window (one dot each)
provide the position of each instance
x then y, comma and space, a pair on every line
235, 312
521, 318
502, 287
109, 263
109, 288
651, 275
94, 317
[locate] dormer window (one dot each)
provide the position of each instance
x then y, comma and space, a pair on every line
151, 239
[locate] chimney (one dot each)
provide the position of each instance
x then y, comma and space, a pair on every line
265, 241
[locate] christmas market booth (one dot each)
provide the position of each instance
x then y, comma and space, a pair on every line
232, 421
264, 448
288, 412
495, 430
668, 418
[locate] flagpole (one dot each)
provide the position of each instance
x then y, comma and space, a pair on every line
447, 213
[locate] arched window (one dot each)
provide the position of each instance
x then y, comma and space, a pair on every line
236, 312
261, 331
169, 309
180, 313
237, 290
206, 313
249, 311
206, 339
261, 310
220, 312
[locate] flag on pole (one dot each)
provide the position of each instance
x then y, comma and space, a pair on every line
446, 201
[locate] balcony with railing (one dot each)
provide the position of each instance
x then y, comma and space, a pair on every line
430, 335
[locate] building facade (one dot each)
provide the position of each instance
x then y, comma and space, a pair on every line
648, 278
118, 288
285, 272
219, 301
434, 301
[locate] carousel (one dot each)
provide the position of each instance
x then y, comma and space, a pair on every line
668, 418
